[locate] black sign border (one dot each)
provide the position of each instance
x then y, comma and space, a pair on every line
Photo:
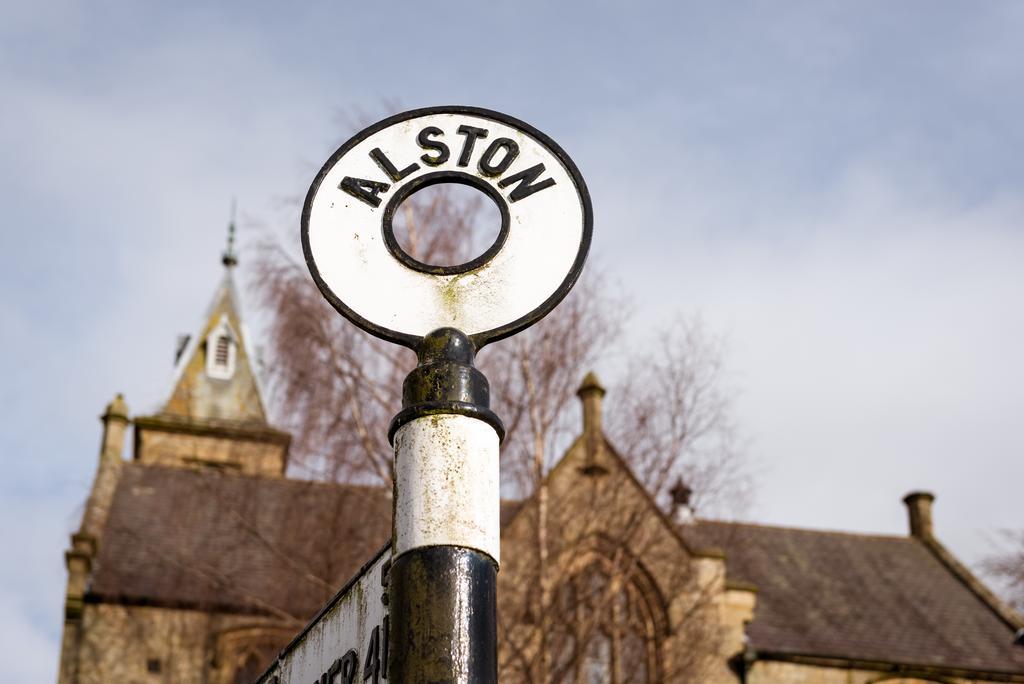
434, 178
482, 338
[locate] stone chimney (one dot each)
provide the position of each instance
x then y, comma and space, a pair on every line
919, 508
591, 393
682, 511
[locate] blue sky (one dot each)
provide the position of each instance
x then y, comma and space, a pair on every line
836, 187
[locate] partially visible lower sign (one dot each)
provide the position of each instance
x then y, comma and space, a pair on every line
347, 642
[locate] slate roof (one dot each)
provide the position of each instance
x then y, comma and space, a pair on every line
232, 542
180, 537
859, 597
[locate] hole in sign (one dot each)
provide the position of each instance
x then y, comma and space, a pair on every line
446, 226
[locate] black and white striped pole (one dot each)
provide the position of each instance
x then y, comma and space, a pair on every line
446, 519
445, 539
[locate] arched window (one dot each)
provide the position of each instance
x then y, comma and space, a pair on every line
603, 631
245, 652
251, 668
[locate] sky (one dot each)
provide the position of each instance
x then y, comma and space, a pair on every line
836, 188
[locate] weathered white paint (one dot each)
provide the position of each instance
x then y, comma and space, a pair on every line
446, 470
346, 236
346, 623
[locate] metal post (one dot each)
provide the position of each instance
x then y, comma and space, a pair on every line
446, 520
442, 602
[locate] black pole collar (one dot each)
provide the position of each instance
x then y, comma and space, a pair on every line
446, 382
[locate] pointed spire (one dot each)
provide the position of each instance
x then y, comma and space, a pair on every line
229, 258
215, 372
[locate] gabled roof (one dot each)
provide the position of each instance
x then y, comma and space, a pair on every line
231, 542
859, 597
201, 539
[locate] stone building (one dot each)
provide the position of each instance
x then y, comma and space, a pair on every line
198, 559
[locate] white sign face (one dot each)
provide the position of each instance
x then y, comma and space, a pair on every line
347, 643
362, 270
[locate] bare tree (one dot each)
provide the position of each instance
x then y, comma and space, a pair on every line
580, 584
337, 389
1006, 567
626, 604
673, 418
581, 596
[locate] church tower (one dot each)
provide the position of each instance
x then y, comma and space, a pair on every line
215, 416
212, 423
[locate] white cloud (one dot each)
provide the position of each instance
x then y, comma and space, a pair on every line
838, 190
875, 340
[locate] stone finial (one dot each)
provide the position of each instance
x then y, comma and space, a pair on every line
115, 424
94, 517
591, 393
117, 408
919, 508
681, 493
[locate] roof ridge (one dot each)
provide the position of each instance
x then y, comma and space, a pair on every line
196, 472
809, 530
964, 575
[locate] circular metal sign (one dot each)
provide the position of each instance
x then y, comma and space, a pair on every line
362, 270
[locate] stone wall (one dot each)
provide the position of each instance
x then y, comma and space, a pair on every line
148, 644
769, 672
252, 457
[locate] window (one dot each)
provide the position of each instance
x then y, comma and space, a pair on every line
220, 357
153, 665
243, 653
251, 668
596, 667
603, 632
221, 349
